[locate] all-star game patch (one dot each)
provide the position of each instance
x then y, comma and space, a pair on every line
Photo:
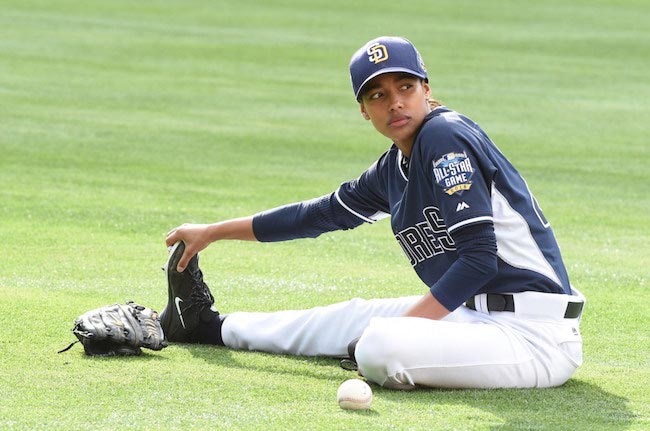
453, 172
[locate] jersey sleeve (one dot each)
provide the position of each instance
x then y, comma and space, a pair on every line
476, 265
307, 219
366, 196
452, 150
353, 203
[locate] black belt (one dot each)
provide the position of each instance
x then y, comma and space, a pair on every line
505, 302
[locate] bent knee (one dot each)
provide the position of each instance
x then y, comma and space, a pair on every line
379, 357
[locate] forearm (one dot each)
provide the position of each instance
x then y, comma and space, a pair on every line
198, 236
306, 219
476, 265
237, 229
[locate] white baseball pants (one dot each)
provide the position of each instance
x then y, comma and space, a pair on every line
467, 349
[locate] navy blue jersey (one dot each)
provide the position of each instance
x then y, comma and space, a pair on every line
455, 178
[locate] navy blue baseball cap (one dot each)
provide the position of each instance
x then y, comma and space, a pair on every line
384, 54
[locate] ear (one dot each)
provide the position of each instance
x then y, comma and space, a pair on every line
427, 89
363, 111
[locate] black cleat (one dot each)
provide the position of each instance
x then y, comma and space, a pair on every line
190, 302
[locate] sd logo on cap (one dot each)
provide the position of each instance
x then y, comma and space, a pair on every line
384, 55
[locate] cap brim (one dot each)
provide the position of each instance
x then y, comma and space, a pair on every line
388, 70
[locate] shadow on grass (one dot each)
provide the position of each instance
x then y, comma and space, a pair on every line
314, 367
144, 356
575, 405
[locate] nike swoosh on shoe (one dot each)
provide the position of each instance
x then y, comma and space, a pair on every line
177, 301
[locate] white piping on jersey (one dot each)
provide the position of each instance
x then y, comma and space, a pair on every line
535, 206
379, 215
468, 221
399, 164
515, 243
373, 218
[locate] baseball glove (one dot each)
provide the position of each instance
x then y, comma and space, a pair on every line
119, 330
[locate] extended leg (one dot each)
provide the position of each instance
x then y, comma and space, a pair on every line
320, 331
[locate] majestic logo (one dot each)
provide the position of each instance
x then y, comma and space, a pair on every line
453, 172
178, 301
462, 206
377, 53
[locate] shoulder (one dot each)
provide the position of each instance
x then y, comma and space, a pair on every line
446, 131
443, 122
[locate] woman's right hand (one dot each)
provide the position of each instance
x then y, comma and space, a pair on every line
198, 236
195, 236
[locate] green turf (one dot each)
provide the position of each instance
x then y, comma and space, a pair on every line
120, 120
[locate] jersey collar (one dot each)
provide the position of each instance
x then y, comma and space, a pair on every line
403, 165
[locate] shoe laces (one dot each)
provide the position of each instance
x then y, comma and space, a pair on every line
200, 291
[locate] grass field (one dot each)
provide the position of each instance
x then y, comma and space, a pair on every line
120, 120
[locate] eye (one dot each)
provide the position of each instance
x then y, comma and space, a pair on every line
406, 86
375, 95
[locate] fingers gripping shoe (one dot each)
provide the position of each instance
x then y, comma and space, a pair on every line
190, 302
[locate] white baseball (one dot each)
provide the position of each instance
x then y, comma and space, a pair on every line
354, 394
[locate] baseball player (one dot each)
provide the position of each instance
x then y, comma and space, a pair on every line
498, 312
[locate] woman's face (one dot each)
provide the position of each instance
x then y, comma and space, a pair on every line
396, 104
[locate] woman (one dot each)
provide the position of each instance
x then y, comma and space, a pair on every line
499, 312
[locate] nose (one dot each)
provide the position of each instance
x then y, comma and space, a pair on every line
395, 102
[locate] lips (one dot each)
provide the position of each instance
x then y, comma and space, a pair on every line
398, 121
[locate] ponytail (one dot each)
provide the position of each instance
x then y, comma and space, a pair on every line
433, 103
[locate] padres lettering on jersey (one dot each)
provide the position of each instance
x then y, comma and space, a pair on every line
427, 238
